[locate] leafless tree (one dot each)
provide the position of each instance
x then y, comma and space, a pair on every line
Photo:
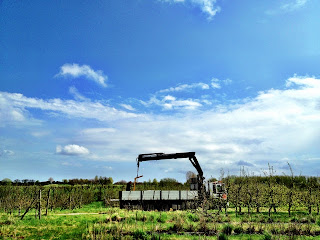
50, 180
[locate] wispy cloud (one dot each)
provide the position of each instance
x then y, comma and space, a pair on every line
98, 130
293, 5
215, 83
75, 71
288, 6
107, 168
169, 102
40, 133
78, 96
227, 81
244, 163
209, 7
6, 152
72, 149
186, 87
127, 106
14, 108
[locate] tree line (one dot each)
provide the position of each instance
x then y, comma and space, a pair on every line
74, 181
249, 192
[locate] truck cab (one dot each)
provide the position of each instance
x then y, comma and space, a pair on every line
214, 189
217, 190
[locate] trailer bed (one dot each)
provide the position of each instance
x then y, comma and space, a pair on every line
157, 199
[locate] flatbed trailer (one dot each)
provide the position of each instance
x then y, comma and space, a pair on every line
158, 199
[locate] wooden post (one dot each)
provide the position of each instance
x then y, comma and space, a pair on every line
39, 204
48, 201
52, 203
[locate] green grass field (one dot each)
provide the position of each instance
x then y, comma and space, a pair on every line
94, 221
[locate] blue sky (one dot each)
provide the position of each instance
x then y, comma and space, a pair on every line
86, 86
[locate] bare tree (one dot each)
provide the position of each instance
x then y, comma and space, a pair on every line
50, 180
291, 188
190, 175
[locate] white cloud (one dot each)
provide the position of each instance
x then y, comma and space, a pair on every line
98, 130
293, 5
78, 96
215, 83
227, 81
277, 124
14, 109
107, 168
9, 113
6, 152
305, 82
171, 103
72, 149
186, 87
75, 70
127, 106
40, 133
209, 7
71, 164
288, 6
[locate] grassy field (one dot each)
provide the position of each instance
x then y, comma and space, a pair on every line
94, 221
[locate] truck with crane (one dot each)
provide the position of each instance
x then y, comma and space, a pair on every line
199, 192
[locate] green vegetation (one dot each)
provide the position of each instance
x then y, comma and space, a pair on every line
269, 207
96, 221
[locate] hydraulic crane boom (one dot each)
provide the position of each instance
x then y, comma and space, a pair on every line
162, 156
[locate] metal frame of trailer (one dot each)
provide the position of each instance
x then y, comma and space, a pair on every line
158, 199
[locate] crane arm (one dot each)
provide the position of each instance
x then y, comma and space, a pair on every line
162, 156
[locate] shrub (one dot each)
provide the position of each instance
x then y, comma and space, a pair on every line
114, 230
227, 229
238, 230
140, 234
115, 217
270, 220
218, 219
312, 219
293, 229
245, 219
141, 217
274, 230
178, 225
155, 237
8, 221
193, 217
261, 219
189, 228
307, 229
304, 220
203, 225
267, 236
162, 218
222, 236
318, 222
294, 219
153, 217
250, 230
